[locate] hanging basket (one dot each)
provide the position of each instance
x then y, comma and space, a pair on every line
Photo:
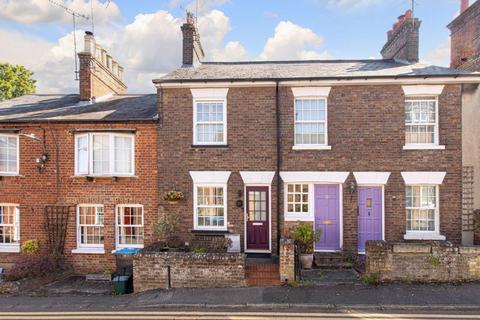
172, 197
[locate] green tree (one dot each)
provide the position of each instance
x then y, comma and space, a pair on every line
15, 81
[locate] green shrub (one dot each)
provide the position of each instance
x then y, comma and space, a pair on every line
305, 236
434, 261
198, 249
31, 247
167, 228
370, 278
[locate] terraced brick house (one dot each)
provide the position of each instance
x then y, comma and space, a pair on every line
360, 149
79, 166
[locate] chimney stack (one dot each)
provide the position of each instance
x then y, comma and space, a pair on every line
192, 48
99, 74
463, 5
403, 40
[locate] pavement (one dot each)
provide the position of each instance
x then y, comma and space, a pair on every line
337, 297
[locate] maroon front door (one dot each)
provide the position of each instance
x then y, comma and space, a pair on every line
258, 228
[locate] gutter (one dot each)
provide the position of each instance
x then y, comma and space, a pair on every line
279, 159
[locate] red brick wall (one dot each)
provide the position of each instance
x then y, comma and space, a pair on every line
34, 190
366, 132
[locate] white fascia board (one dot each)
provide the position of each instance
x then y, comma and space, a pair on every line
210, 177
423, 90
300, 92
314, 176
257, 177
210, 93
423, 177
371, 177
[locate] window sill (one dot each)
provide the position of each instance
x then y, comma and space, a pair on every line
313, 147
202, 231
103, 176
423, 236
9, 175
299, 218
423, 147
88, 251
201, 146
12, 248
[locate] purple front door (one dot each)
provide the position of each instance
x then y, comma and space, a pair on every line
258, 227
327, 217
369, 215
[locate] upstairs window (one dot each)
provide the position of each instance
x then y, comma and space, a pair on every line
421, 121
310, 122
210, 122
104, 154
9, 154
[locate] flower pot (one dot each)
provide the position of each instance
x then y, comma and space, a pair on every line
306, 260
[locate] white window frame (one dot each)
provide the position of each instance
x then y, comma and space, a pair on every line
89, 248
195, 206
323, 146
12, 247
224, 122
304, 216
118, 226
422, 234
17, 172
112, 171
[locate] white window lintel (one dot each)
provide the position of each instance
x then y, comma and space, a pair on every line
300, 92
423, 177
257, 177
209, 93
423, 90
210, 177
314, 176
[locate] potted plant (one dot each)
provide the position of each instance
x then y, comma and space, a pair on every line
173, 196
306, 236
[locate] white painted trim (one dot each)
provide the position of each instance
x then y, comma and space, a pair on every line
332, 177
10, 248
371, 177
195, 122
423, 90
210, 177
87, 247
117, 235
423, 177
423, 147
422, 235
269, 185
260, 177
204, 83
436, 137
311, 147
293, 216
88, 251
209, 93
302, 92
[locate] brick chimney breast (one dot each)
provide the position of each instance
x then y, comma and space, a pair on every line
99, 74
192, 47
403, 40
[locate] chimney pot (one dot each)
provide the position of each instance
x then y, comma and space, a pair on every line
464, 5
89, 33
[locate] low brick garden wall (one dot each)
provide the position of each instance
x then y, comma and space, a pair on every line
422, 262
187, 270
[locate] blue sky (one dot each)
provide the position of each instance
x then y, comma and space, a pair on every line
143, 34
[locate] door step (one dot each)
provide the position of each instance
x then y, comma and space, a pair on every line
262, 274
334, 260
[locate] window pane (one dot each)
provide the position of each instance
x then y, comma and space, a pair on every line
101, 154
123, 154
8, 154
90, 226
297, 198
209, 122
420, 120
130, 226
209, 133
210, 207
82, 154
421, 207
9, 225
309, 133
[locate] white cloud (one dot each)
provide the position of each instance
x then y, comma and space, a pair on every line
35, 11
291, 42
203, 6
352, 4
439, 56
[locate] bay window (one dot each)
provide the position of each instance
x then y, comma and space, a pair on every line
9, 150
104, 154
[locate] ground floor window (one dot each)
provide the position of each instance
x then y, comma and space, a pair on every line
90, 229
210, 207
9, 225
422, 208
130, 226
